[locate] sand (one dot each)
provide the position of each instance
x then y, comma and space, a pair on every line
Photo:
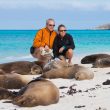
76, 95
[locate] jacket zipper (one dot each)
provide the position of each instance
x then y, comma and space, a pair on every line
49, 39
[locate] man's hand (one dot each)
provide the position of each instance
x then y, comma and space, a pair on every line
47, 48
41, 48
61, 49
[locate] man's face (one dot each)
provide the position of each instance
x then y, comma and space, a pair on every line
62, 31
50, 25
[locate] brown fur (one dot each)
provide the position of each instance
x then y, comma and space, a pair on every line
40, 63
102, 63
13, 81
83, 73
20, 67
38, 93
2, 72
75, 71
5, 94
66, 73
41, 92
36, 69
90, 59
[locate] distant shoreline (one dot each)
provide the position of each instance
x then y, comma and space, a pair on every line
68, 29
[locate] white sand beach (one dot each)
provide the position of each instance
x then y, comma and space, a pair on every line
76, 95
45, 23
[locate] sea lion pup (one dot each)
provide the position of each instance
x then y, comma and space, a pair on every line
90, 59
14, 81
75, 71
21, 67
102, 63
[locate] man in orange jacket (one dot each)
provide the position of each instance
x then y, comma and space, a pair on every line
44, 39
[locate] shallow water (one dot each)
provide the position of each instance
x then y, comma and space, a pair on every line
15, 44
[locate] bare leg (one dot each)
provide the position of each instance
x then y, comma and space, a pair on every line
37, 54
69, 55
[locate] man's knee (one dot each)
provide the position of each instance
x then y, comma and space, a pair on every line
70, 51
36, 53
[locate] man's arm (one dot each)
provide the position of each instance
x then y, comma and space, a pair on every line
38, 39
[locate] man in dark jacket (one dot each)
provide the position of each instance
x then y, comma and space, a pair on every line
63, 44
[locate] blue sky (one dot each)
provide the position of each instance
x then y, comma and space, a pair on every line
32, 14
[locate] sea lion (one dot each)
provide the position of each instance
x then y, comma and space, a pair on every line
14, 81
76, 71
2, 72
21, 67
102, 63
38, 92
90, 59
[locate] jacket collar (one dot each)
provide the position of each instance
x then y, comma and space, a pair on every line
61, 37
49, 30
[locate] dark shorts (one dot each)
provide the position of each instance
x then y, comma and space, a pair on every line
63, 53
32, 49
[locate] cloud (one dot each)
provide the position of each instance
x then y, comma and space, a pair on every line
55, 4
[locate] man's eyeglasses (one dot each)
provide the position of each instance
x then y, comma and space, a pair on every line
62, 30
51, 25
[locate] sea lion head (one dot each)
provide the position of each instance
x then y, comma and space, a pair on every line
36, 69
88, 60
84, 75
80, 76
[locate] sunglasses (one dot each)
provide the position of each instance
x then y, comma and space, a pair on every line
51, 25
62, 30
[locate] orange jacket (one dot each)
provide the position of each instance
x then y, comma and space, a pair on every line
44, 37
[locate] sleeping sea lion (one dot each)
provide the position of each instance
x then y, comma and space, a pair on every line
38, 92
21, 67
90, 59
75, 71
14, 81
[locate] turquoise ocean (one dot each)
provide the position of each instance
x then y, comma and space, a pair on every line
15, 44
